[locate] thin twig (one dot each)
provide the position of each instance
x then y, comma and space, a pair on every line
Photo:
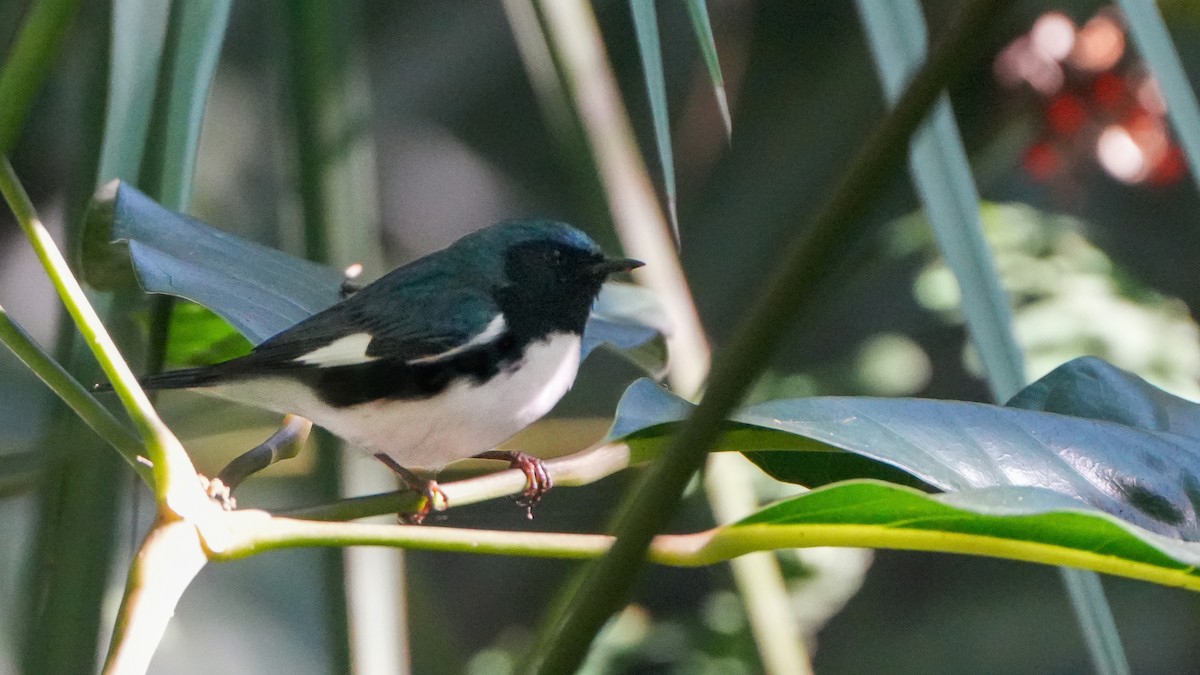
581, 468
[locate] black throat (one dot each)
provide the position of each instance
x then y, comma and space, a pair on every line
550, 289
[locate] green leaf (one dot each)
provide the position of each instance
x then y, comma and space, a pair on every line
942, 175
1095, 389
645, 24
261, 291
1019, 523
629, 319
1149, 32
138, 31
698, 11
193, 43
1148, 478
199, 337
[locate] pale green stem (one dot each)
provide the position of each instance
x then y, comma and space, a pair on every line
73, 394
581, 468
171, 465
729, 481
170, 558
644, 232
253, 532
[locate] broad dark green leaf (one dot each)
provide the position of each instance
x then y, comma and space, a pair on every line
261, 291
1148, 478
1094, 388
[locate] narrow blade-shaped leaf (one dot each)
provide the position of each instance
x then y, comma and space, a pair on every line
1149, 31
698, 11
139, 30
645, 23
194, 36
942, 175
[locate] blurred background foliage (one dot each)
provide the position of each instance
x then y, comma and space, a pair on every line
1090, 212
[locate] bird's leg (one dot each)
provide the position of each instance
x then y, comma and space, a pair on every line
285, 443
428, 488
537, 478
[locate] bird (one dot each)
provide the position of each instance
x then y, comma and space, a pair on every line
441, 359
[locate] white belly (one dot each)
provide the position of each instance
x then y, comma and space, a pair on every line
464, 420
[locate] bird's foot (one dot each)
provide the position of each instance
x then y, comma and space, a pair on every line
218, 491
433, 498
537, 478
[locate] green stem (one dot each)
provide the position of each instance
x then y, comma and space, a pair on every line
581, 468
254, 532
82, 483
166, 564
172, 468
73, 394
1096, 620
564, 641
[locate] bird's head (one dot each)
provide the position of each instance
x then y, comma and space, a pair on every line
545, 271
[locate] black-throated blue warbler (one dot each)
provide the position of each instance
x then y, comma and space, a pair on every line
441, 359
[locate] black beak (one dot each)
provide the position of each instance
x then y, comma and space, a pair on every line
610, 266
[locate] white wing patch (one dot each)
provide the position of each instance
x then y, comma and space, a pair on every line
347, 351
493, 330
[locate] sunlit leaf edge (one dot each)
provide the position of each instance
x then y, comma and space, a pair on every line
1017, 523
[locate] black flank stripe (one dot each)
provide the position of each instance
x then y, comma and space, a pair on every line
391, 379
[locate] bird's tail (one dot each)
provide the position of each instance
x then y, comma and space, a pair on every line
186, 378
